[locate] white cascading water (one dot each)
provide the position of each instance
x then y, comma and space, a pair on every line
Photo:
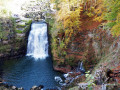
38, 41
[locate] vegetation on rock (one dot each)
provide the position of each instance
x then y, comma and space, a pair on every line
85, 30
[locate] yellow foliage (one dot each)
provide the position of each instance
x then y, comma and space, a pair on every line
118, 18
116, 30
69, 18
67, 32
99, 10
71, 23
99, 19
90, 14
67, 40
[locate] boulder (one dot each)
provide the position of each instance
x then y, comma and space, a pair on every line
6, 85
52, 89
14, 88
40, 86
67, 81
34, 88
20, 88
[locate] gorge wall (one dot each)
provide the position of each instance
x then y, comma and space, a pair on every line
91, 47
13, 38
76, 36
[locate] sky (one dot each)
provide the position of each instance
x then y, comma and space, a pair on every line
13, 6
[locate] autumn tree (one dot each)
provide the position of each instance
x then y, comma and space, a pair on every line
69, 15
112, 15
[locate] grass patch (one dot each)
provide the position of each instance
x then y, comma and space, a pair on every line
20, 26
28, 24
19, 31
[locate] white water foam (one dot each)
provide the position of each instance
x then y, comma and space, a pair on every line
38, 41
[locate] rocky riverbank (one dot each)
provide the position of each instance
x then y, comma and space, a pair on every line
4, 86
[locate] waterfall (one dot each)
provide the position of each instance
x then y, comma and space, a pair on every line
38, 41
80, 67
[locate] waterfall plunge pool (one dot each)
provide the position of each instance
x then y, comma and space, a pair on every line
26, 72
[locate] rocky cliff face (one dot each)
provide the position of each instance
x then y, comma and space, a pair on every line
92, 45
13, 38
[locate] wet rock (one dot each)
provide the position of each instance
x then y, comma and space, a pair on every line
40, 86
82, 86
6, 85
3, 88
52, 89
67, 81
14, 87
20, 88
34, 88
58, 79
66, 75
37, 87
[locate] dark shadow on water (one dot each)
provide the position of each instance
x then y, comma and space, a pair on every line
27, 72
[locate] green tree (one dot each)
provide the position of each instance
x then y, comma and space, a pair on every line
112, 15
